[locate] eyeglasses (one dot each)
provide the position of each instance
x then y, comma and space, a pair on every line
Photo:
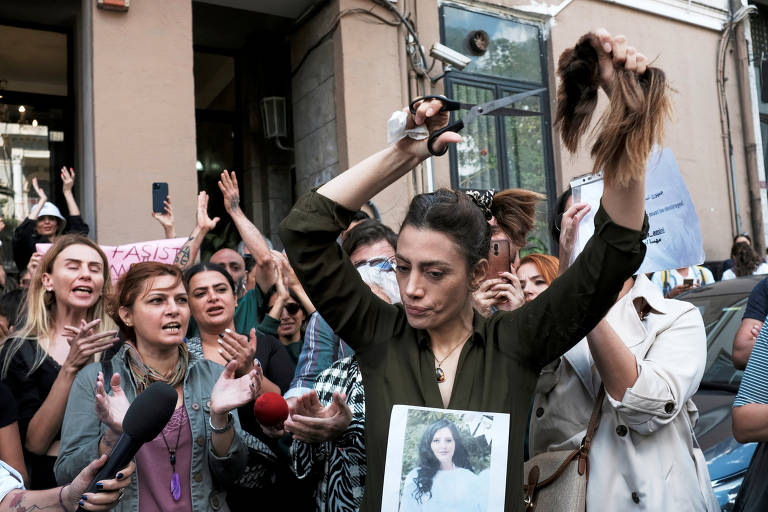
383, 264
292, 308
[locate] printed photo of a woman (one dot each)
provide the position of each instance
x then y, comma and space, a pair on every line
444, 479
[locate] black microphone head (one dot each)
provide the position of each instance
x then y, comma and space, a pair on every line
150, 412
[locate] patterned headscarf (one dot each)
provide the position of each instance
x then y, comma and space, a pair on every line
483, 199
144, 375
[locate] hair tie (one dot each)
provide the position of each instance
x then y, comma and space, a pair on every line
483, 199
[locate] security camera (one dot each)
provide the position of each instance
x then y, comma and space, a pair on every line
449, 57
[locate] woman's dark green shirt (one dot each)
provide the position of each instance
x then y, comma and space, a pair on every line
497, 369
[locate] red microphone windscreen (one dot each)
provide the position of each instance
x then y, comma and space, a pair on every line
270, 409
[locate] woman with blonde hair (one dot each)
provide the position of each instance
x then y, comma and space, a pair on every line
65, 327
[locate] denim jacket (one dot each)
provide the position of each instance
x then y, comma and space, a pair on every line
82, 430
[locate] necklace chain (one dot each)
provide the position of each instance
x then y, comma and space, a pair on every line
439, 372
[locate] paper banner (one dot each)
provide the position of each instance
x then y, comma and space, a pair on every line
121, 257
674, 238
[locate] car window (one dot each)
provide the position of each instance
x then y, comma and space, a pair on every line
722, 317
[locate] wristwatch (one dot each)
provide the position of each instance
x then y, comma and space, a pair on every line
225, 428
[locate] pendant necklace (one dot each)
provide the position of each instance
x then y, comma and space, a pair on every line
175, 480
439, 372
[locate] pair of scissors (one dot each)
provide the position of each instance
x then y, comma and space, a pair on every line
496, 108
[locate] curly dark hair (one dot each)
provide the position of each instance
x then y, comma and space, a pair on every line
745, 259
428, 463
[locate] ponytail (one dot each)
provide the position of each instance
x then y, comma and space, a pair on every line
515, 212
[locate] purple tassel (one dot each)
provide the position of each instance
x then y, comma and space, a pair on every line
175, 487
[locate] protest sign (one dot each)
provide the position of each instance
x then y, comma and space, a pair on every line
473, 443
121, 257
674, 238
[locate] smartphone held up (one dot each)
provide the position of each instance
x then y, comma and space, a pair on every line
159, 195
498, 258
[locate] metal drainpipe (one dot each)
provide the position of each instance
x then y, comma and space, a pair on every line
748, 123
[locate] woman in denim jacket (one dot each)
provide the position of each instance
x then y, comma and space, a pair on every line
200, 449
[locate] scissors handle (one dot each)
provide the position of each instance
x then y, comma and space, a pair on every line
448, 104
453, 127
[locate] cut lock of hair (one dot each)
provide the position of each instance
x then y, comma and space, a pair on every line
457, 216
630, 126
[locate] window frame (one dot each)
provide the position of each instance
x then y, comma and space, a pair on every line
504, 86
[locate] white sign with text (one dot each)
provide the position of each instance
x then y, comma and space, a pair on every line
674, 236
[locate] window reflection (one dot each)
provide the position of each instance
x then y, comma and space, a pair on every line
513, 50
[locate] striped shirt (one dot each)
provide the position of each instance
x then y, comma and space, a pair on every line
321, 348
753, 388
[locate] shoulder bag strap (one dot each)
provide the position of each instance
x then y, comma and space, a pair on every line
594, 421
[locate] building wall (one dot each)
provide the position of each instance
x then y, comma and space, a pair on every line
314, 107
143, 117
687, 55
375, 81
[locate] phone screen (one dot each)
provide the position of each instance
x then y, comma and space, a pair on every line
688, 282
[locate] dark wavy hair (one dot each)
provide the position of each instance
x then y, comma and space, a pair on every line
428, 463
745, 259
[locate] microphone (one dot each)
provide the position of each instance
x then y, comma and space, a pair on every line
143, 421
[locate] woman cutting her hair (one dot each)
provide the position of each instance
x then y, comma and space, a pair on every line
434, 350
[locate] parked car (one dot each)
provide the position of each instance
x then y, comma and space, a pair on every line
722, 305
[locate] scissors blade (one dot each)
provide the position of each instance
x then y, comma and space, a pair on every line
492, 106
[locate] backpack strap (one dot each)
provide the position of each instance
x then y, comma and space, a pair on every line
665, 282
702, 276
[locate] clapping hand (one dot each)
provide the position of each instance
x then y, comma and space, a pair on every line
230, 393
310, 422
111, 409
239, 348
84, 343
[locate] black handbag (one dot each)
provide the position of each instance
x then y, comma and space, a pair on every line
753, 494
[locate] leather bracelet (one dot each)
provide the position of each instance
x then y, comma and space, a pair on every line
225, 428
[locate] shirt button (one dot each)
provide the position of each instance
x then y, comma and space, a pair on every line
196, 406
669, 407
539, 412
200, 441
197, 477
208, 404
635, 497
621, 430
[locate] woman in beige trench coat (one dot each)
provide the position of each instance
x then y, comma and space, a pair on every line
650, 353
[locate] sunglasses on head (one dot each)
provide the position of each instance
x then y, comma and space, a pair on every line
385, 264
292, 308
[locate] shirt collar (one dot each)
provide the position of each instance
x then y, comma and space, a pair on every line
645, 289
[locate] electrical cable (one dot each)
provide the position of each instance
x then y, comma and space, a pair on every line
722, 101
335, 25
